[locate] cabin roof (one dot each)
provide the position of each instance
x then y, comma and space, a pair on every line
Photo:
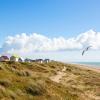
5, 57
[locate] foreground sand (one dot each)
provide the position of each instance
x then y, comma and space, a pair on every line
58, 77
64, 77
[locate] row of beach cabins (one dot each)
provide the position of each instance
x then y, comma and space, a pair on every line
20, 59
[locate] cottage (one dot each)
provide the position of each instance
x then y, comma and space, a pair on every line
4, 58
39, 60
47, 60
14, 58
20, 59
27, 60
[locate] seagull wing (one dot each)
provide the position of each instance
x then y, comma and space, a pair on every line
83, 52
88, 48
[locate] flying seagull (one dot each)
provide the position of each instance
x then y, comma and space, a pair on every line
86, 49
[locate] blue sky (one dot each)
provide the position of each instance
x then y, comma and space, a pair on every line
52, 18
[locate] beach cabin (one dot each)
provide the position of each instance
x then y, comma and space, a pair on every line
39, 60
14, 58
4, 58
27, 60
33, 60
47, 60
20, 59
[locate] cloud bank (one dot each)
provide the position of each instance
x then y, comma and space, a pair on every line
25, 44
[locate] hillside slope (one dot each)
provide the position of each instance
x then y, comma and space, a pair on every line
34, 81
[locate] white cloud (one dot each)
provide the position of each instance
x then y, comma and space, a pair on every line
27, 44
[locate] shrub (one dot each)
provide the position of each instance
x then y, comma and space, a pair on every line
35, 89
5, 83
23, 73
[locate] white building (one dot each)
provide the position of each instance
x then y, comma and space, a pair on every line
14, 58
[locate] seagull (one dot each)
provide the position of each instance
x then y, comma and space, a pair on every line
83, 52
86, 49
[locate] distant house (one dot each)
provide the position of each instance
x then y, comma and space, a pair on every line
39, 60
32, 60
4, 58
47, 60
20, 59
27, 60
14, 58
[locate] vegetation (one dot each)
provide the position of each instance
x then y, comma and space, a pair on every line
31, 81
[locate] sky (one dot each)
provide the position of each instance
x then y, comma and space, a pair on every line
57, 29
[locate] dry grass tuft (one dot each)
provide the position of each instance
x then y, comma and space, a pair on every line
5, 82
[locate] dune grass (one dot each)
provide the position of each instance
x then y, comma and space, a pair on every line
31, 81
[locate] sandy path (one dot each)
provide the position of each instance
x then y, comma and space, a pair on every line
60, 74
